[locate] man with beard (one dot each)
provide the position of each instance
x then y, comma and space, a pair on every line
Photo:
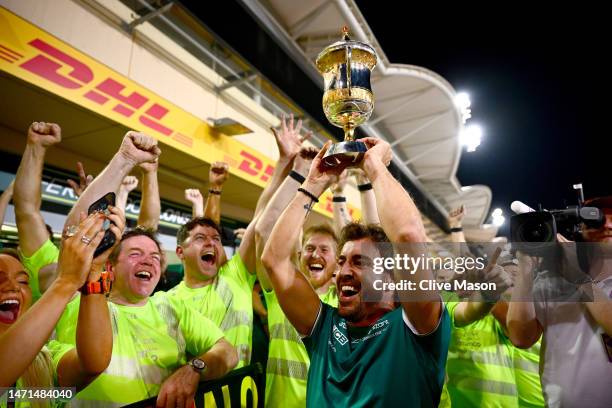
576, 353
363, 353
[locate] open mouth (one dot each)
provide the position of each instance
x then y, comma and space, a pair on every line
209, 258
347, 292
144, 275
9, 310
315, 267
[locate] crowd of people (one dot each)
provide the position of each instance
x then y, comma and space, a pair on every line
71, 317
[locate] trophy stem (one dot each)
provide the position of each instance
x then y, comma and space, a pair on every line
349, 133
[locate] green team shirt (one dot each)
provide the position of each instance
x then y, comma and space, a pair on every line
527, 376
288, 361
480, 366
47, 254
150, 342
228, 302
383, 365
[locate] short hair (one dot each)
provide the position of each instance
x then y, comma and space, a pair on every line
137, 232
183, 232
355, 231
324, 229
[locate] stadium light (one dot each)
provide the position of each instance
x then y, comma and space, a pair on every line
463, 102
470, 137
498, 218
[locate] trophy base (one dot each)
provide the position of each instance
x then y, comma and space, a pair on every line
345, 154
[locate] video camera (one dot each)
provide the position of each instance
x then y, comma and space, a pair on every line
534, 232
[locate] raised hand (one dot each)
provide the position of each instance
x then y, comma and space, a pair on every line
456, 216
84, 180
288, 138
77, 251
194, 196
128, 184
304, 159
218, 174
117, 226
139, 148
379, 151
149, 167
494, 273
44, 134
321, 177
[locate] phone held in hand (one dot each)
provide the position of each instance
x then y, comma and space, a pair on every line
101, 205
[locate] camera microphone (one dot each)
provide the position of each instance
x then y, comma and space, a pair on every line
520, 208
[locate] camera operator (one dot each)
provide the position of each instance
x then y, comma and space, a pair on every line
576, 362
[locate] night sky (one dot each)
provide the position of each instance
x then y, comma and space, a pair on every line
536, 80
534, 77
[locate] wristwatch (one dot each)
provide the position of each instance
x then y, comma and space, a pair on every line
101, 286
198, 365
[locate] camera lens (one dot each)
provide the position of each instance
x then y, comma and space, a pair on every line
535, 231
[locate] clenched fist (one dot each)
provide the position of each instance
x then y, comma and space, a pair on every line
218, 174
139, 148
44, 134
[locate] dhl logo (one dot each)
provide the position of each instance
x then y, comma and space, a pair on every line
49, 63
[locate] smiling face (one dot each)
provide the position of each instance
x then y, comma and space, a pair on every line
15, 292
355, 264
137, 269
318, 258
202, 253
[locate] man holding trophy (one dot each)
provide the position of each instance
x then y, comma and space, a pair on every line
362, 353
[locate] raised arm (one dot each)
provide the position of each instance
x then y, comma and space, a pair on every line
295, 294
289, 142
217, 176
128, 184
150, 205
94, 335
402, 223
27, 195
340, 209
474, 309
5, 199
84, 180
135, 148
524, 330
194, 196
283, 196
20, 344
368, 199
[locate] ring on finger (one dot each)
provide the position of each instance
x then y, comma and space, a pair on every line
85, 240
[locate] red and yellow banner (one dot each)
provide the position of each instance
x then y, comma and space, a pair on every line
39, 58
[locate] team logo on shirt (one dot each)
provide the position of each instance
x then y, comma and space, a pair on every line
340, 338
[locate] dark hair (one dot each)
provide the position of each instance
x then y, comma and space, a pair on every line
183, 232
356, 231
137, 232
319, 229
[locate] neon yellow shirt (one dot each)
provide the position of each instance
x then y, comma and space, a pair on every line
479, 366
47, 254
228, 302
150, 342
288, 361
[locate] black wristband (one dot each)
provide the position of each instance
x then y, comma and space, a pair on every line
309, 194
339, 199
211, 191
457, 229
297, 176
365, 187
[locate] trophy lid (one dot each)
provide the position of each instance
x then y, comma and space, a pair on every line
335, 54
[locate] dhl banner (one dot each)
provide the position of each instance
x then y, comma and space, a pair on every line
35, 56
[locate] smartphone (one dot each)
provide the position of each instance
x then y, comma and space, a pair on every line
102, 205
